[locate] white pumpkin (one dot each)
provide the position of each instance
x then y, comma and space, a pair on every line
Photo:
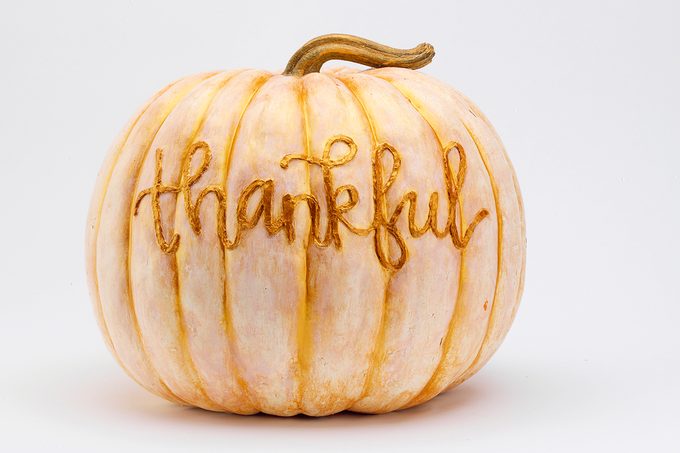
244, 253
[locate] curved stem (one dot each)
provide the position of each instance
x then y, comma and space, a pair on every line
316, 52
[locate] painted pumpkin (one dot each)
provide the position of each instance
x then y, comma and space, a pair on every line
307, 242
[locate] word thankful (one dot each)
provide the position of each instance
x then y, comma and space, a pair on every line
384, 224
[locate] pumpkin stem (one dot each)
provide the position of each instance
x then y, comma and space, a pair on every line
316, 52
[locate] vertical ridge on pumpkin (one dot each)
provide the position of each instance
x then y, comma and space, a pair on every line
229, 326
138, 172
426, 392
190, 365
264, 277
303, 340
346, 280
116, 151
202, 295
445, 109
520, 204
497, 330
499, 217
176, 93
478, 116
378, 350
419, 297
461, 345
518, 192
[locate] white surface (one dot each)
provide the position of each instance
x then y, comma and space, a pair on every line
587, 99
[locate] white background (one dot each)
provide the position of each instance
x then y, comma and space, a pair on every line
586, 96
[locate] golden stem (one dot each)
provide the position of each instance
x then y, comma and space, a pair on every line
316, 52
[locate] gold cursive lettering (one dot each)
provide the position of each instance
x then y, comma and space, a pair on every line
383, 225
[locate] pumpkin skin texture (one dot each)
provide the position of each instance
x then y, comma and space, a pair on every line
287, 327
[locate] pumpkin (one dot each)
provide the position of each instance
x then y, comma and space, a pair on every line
307, 242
